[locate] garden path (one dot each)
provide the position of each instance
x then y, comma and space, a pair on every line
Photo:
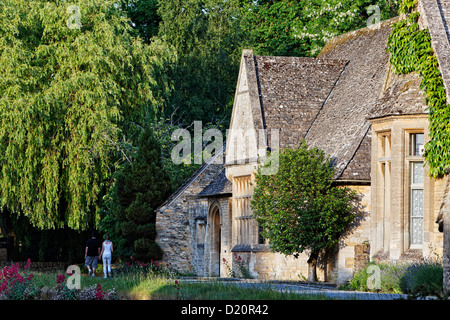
302, 288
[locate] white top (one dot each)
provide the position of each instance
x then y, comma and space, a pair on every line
107, 247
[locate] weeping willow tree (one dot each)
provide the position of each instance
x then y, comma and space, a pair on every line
73, 81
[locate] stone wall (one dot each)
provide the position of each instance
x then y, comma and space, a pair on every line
362, 256
206, 250
390, 237
39, 266
340, 267
172, 219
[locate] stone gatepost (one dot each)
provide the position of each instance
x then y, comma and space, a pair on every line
444, 220
446, 255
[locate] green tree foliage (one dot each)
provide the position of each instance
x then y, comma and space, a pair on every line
68, 99
302, 28
299, 208
207, 37
178, 173
144, 17
269, 28
140, 187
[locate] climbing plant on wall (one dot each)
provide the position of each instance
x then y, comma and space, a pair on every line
411, 51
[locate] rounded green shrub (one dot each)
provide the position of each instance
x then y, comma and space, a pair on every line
423, 278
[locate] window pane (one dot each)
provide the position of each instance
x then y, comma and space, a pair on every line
417, 144
417, 172
385, 145
416, 221
417, 203
416, 231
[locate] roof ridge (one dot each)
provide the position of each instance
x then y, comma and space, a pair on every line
356, 33
326, 100
313, 60
339, 174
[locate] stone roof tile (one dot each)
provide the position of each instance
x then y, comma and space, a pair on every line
219, 186
292, 92
342, 124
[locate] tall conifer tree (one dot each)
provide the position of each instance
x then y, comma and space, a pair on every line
140, 187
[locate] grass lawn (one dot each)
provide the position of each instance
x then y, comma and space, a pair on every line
151, 287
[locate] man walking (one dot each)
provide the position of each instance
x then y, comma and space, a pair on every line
92, 254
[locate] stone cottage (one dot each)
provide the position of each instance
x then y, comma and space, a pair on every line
347, 102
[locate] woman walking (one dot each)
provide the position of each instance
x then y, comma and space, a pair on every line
106, 254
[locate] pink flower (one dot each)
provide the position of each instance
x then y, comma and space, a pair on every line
99, 294
4, 286
60, 278
28, 265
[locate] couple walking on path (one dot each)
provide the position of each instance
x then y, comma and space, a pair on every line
93, 254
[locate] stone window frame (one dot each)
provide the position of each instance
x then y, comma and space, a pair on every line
409, 159
200, 225
243, 216
395, 241
246, 235
384, 140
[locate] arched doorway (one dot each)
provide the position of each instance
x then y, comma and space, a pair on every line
215, 228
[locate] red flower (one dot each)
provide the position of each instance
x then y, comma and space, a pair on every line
60, 278
99, 294
28, 265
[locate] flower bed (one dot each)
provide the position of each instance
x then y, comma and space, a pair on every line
17, 284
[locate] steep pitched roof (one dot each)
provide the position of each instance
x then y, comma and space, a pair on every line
292, 91
219, 186
284, 93
342, 127
402, 96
